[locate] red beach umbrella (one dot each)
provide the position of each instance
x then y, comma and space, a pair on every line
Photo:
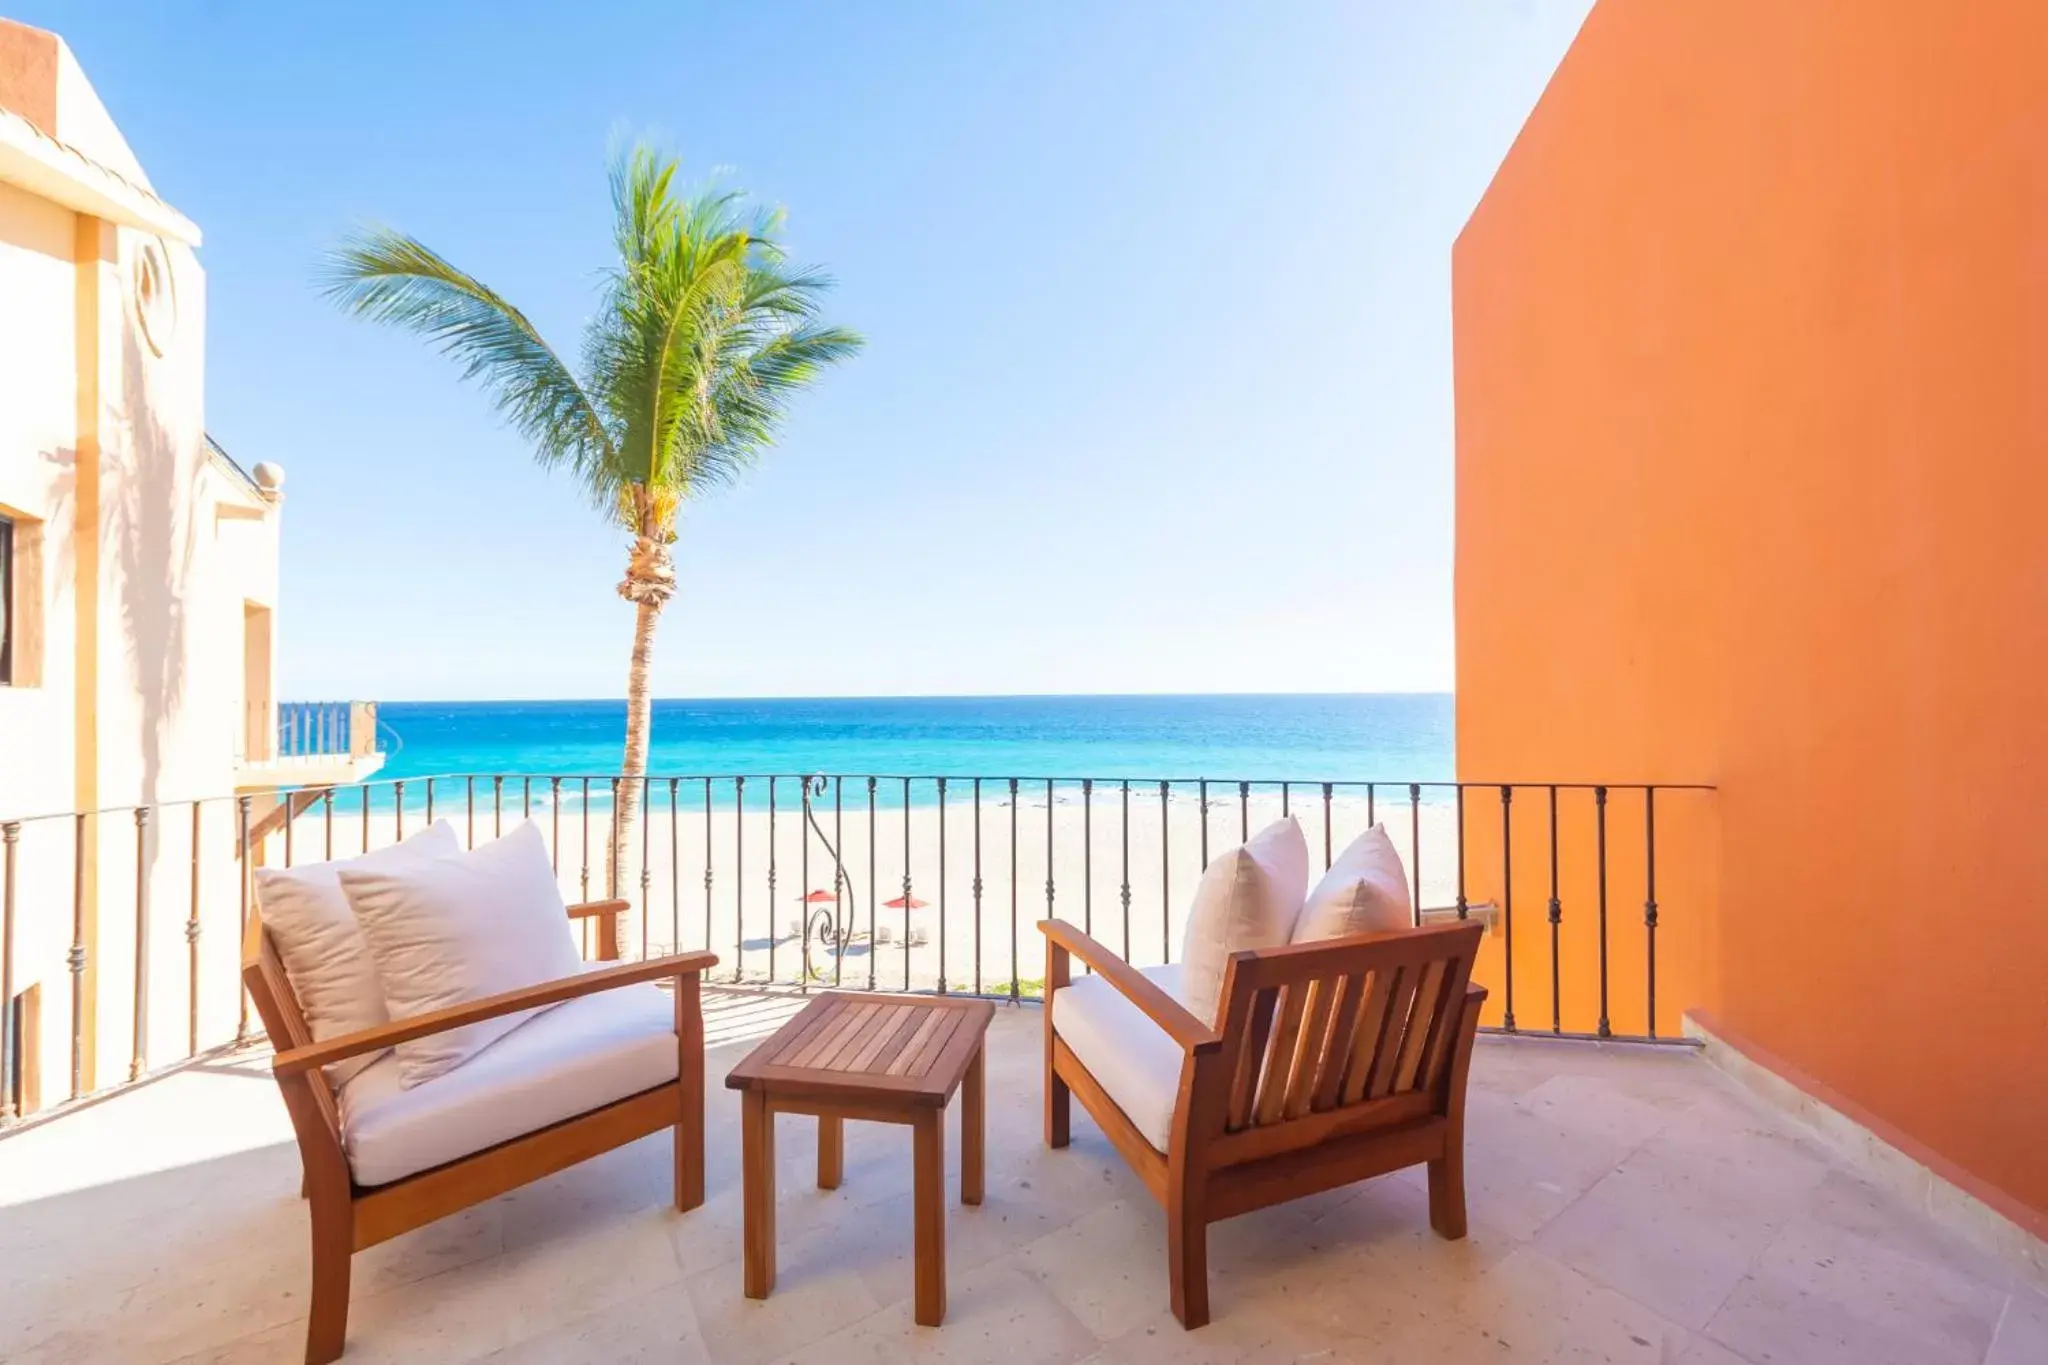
897, 904
816, 898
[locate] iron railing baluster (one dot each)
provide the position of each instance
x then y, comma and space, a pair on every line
10, 840
1415, 846
76, 958
583, 883
1048, 848
1125, 893
1087, 859
191, 943
1507, 900
139, 1052
1556, 919
872, 945
942, 885
675, 866
977, 886
1165, 873
739, 876
1650, 901
906, 884
1016, 986
646, 857
1600, 818
709, 841
1464, 911
245, 876
841, 932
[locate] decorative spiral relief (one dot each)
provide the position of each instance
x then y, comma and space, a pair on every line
156, 296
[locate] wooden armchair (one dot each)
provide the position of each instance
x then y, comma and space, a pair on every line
348, 1216
1332, 1062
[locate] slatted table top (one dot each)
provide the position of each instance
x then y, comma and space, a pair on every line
902, 1049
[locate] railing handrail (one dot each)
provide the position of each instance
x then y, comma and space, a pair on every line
408, 779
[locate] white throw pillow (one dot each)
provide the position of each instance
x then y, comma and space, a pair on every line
1364, 892
1247, 898
449, 930
321, 945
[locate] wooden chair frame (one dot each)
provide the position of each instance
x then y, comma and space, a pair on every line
1334, 1061
347, 1217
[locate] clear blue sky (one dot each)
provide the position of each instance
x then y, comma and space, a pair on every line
1158, 389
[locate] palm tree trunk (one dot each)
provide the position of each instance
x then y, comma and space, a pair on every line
639, 725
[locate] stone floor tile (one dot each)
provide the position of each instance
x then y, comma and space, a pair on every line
995, 1315
2021, 1337
659, 1328
1535, 1309
1826, 1290
810, 1301
1680, 1222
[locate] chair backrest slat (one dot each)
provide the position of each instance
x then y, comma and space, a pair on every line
1311, 1028
1421, 1019
1251, 1057
1308, 1056
1372, 1023
1380, 1082
1338, 1047
1280, 1057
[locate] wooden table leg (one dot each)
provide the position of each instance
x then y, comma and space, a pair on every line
831, 1151
929, 1174
757, 1163
973, 1129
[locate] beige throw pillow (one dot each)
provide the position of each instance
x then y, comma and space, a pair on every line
321, 945
449, 930
1247, 898
1364, 892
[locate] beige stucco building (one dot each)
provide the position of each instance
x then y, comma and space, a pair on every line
138, 566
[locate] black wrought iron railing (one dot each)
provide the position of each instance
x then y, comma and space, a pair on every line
123, 927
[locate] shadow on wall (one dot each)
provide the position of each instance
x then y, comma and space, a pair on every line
153, 529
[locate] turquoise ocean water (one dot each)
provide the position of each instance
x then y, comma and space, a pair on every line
1382, 737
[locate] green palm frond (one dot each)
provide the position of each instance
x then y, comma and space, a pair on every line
388, 277
703, 335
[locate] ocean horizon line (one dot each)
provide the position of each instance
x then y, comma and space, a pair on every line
900, 696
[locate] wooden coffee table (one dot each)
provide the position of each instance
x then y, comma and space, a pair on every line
885, 1059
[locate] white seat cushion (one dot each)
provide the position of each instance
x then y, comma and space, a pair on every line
579, 1056
1129, 1056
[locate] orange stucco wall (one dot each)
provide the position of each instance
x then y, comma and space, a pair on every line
1752, 403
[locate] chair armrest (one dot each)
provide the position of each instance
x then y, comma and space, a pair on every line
586, 909
1189, 1033
490, 1007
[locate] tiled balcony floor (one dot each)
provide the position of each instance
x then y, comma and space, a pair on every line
1625, 1206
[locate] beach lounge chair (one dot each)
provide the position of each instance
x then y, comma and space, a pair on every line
1332, 1061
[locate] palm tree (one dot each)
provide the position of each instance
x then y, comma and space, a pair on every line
704, 333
